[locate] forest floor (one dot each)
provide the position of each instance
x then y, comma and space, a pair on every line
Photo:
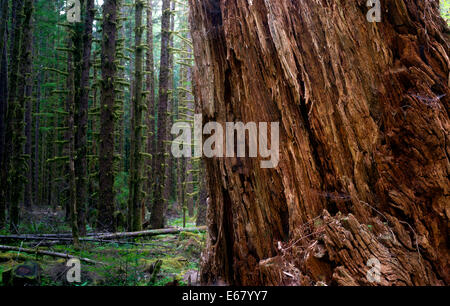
130, 264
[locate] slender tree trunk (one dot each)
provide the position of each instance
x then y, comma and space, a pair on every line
150, 119
37, 141
15, 7
182, 162
82, 113
16, 112
120, 97
169, 184
70, 147
4, 5
363, 170
28, 197
157, 213
189, 189
106, 158
28, 101
135, 195
3, 109
93, 164
202, 202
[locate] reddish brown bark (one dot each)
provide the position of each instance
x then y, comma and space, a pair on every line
363, 149
106, 157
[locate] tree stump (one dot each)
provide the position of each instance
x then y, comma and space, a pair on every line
27, 274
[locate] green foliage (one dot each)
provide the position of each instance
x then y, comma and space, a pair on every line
445, 10
122, 189
178, 222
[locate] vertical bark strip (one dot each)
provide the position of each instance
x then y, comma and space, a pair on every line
3, 109
37, 123
17, 101
169, 184
70, 147
135, 195
82, 104
157, 213
364, 164
4, 8
28, 101
150, 87
106, 157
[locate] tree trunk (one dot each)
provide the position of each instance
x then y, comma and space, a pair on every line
70, 146
17, 101
106, 157
28, 101
3, 110
169, 184
150, 119
84, 38
363, 166
157, 213
4, 5
37, 138
135, 195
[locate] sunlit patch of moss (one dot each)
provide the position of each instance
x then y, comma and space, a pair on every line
127, 264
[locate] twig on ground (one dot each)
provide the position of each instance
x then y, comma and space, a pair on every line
48, 253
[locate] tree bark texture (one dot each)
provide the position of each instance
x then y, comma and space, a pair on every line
363, 112
136, 161
158, 207
150, 87
18, 99
107, 117
3, 109
83, 38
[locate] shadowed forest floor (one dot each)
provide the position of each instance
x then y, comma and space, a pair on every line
130, 264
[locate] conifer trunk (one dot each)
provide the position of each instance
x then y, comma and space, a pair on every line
150, 86
16, 102
70, 147
157, 213
83, 49
170, 178
135, 195
3, 110
105, 219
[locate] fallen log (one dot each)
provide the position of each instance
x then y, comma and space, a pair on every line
63, 235
54, 239
151, 233
105, 237
48, 253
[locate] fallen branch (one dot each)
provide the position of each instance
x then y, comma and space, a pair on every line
151, 233
106, 238
48, 253
63, 235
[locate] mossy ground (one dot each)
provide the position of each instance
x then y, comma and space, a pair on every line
125, 264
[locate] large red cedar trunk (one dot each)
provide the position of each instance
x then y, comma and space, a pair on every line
364, 164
